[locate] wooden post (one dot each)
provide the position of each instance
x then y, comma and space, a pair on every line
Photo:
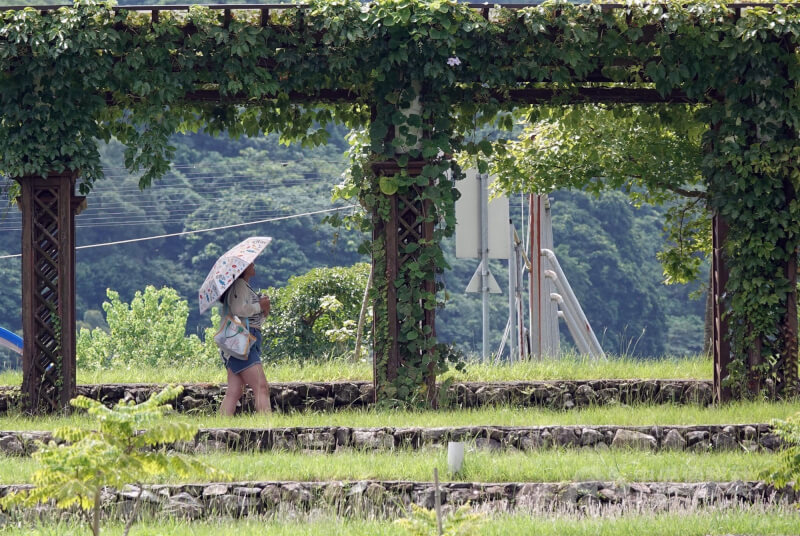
402, 228
48, 290
787, 373
786, 384
719, 278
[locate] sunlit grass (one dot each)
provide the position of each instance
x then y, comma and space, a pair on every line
743, 412
702, 522
569, 367
575, 367
479, 466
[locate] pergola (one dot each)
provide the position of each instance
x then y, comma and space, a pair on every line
49, 206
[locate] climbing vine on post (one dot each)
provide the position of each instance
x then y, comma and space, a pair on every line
420, 79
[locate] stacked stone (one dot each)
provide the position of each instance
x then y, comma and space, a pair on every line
556, 394
703, 438
392, 498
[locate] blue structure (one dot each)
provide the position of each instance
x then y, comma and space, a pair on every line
10, 340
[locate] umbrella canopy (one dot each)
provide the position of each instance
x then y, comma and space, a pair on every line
228, 267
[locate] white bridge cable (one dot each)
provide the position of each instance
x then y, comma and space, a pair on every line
269, 220
131, 206
105, 212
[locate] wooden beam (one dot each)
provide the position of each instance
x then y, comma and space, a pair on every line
608, 95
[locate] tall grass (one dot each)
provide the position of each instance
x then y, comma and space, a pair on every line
700, 522
479, 466
742, 412
569, 367
577, 367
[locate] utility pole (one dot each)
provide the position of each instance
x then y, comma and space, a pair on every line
512, 294
484, 248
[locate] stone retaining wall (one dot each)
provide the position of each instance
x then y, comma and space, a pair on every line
386, 498
703, 438
558, 394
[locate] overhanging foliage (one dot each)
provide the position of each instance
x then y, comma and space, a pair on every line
76, 75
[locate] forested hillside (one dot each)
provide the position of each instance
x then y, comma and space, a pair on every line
214, 183
606, 246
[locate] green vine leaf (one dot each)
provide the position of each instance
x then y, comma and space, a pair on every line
388, 185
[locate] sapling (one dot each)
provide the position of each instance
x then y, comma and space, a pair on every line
787, 472
460, 522
127, 448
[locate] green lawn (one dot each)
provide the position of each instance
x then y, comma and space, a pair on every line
703, 522
644, 415
569, 367
479, 466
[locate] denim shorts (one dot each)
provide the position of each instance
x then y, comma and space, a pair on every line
253, 358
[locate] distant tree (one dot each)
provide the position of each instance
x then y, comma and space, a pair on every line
598, 248
652, 153
150, 331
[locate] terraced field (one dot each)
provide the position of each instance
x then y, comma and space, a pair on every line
646, 460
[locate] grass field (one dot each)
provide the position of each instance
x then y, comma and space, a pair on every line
479, 466
551, 465
701, 522
569, 367
643, 415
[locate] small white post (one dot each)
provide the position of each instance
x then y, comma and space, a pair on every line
455, 456
520, 260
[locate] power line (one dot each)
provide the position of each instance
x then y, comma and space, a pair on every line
210, 176
210, 182
164, 210
246, 159
142, 202
201, 230
175, 217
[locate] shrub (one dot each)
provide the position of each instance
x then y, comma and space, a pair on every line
316, 314
151, 331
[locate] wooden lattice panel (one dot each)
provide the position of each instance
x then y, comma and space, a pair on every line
46, 252
48, 291
406, 225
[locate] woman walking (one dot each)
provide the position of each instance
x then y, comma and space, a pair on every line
241, 300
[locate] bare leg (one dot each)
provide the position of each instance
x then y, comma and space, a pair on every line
232, 394
255, 378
